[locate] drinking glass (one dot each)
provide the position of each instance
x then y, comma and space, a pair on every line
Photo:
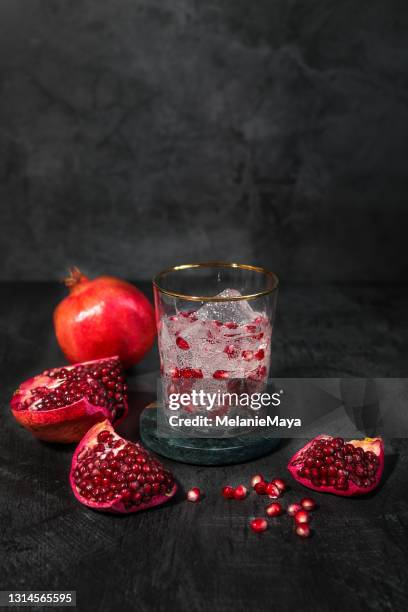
214, 323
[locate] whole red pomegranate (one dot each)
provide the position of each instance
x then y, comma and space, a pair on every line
104, 317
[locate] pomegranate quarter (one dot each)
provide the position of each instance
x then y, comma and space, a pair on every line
61, 404
113, 475
331, 465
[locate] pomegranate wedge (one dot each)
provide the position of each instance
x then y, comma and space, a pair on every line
61, 404
111, 474
331, 465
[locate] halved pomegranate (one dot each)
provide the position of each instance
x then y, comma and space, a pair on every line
331, 465
111, 474
61, 404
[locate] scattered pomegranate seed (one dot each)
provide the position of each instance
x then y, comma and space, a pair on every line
260, 488
272, 490
194, 494
247, 355
274, 509
251, 328
281, 484
308, 504
293, 508
220, 374
255, 479
228, 492
182, 344
301, 516
240, 492
259, 524
231, 325
303, 531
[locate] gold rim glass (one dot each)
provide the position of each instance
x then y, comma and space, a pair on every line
190, 281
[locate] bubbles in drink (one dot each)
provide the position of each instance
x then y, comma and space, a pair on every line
222, 345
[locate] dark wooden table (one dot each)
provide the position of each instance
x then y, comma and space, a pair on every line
203, 557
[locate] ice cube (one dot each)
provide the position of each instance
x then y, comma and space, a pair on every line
236, 311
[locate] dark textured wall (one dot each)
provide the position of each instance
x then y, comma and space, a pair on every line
139, 133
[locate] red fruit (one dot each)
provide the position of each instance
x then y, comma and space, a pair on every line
104, 317
356, 471
194, 494
228, 492
247, 355
61, 404
259, 524
272, 490
260, 488
308, 504
255, 479
240, 492
303, 531
274, 509
132, 479
281, 484
293, 508
301, 516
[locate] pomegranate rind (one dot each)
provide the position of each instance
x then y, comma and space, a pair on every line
102, 317
115, 507
66, 424
374, 445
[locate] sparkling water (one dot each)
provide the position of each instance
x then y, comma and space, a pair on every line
222, 346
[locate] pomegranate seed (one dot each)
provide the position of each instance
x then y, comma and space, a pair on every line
247, 355
303, 531
293, 508
274, 509
194, 494
231, 351
220, 374
281, 484
260, 488
301, 516
231, 325
258, 525
272, 490
255, 479
260, 354
240, 492
308, 504
228, 492
182, 344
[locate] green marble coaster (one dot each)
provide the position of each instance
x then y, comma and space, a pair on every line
204, 451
